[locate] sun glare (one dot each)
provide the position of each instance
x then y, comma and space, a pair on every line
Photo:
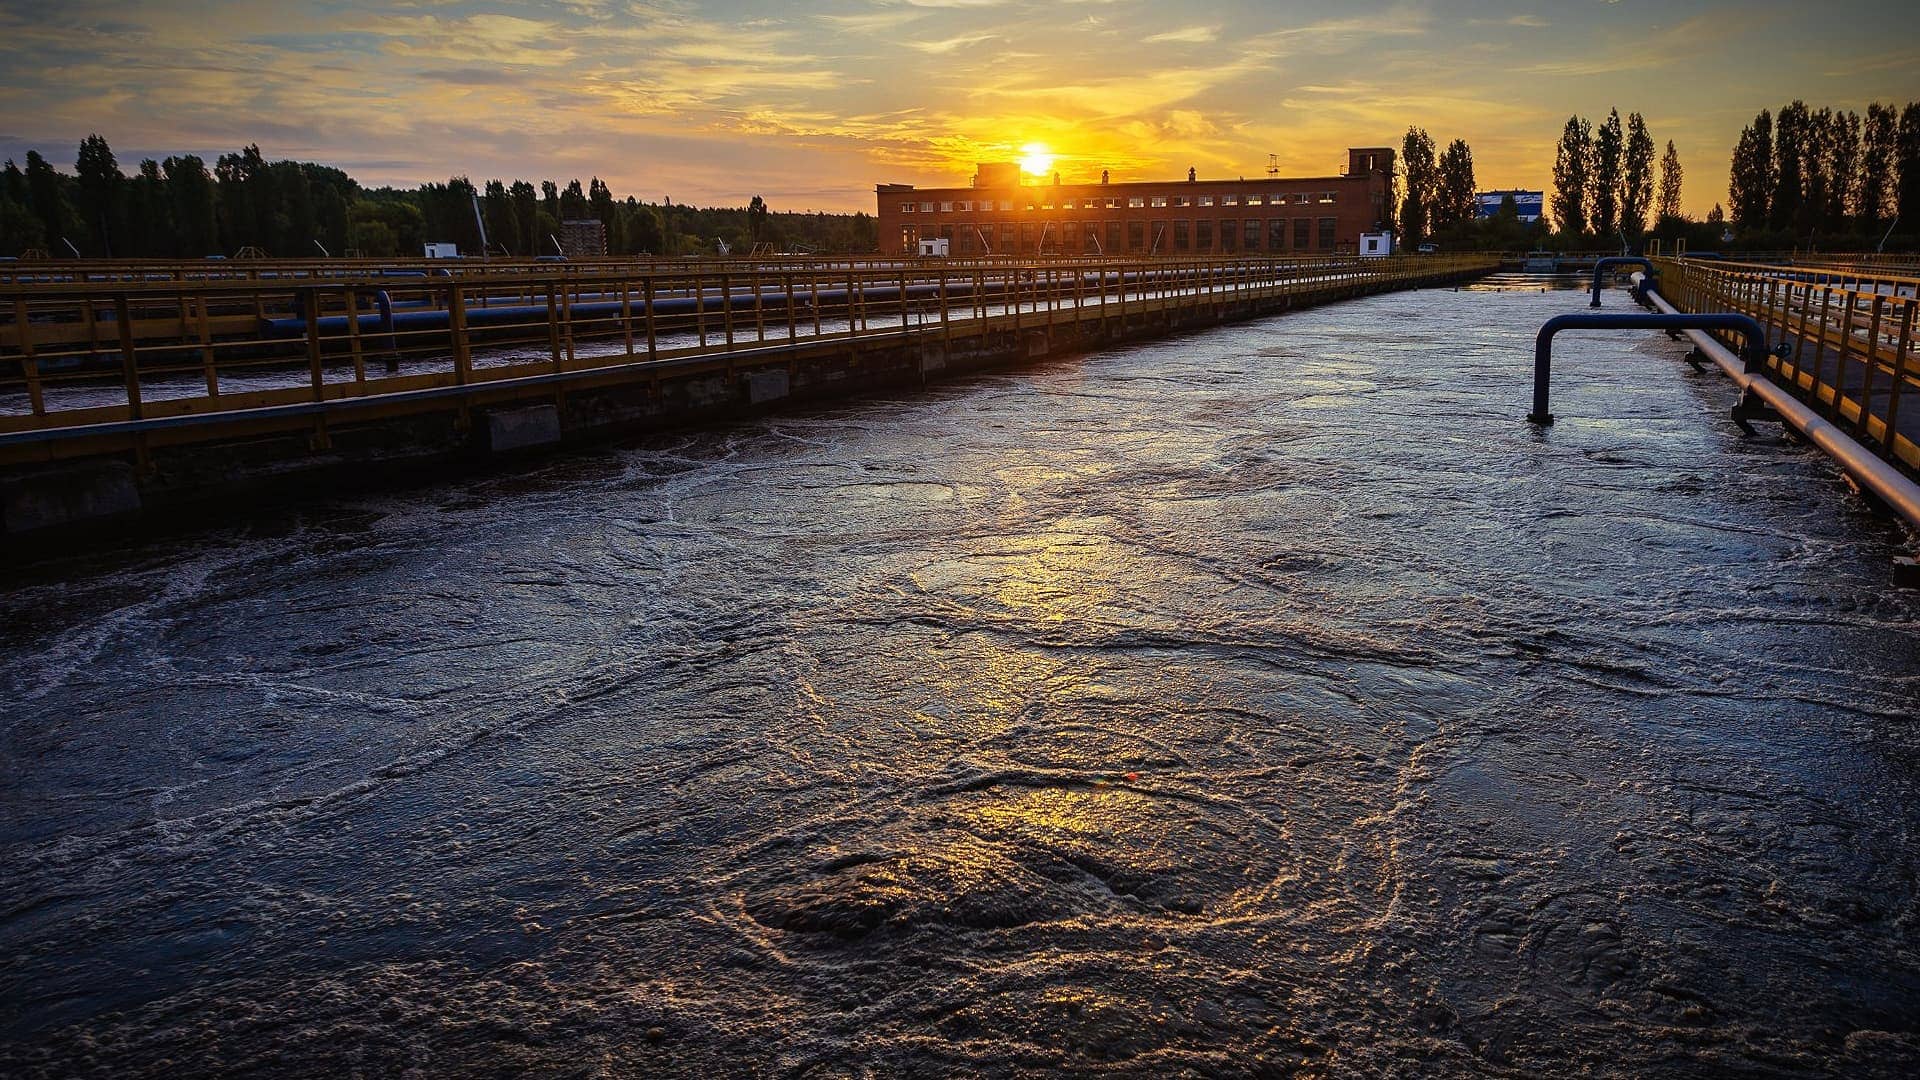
1036, 159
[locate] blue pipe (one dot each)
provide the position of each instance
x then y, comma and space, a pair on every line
1600, 268
1753, 350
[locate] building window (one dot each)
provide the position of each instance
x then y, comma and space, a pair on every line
1026, 237
1302, 233
1159, 200
1276, 234
1158, 242
1046, 205
1205, 200
1183, 235
1006, 204
1326, 233
1136, 236
1326, 196
1113, 203
1229, 200
1069, 236
1113, 238
1203, 234
1250, 234
1135, 202
906, 208
1090, 236
946, 208
1006, 236
1066, 204
963, 207
1255, 200
1182, 200
926, 208
1229, 232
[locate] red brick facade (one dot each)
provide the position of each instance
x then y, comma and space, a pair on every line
1306, 215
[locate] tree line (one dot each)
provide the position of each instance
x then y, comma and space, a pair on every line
1801, 177
1604, 180
1440, 187
181, 208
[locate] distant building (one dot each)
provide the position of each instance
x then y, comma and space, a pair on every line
1532, 204
1000, 215
583, 238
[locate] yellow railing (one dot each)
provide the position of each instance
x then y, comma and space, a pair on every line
1849, 335
81, 354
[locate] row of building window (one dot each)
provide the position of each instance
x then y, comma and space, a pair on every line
1114, 237
1115, 202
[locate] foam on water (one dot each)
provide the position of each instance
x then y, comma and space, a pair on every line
1268, 700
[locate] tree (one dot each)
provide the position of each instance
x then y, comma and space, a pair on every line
1751, 183
1454, 195
1716, 216
1873, 198
1572, 175
1843, 168
526, 205
1417, 159
1788, 204
99, 186
756, 219
1907, 147
1636, 177
1669, 203
1609, 143
573, 202
191, 193
47, 198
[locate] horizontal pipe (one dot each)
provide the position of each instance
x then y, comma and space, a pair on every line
1868, 469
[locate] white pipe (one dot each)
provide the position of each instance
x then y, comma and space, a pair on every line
1869, 469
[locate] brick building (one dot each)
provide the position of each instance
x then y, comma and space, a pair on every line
1000, 215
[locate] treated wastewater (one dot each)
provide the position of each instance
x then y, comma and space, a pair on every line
1267, 701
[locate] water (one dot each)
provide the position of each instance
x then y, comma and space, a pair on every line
1266, 700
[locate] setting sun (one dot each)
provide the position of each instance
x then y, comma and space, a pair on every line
1036, 159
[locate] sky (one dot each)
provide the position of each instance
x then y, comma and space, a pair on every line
810, 104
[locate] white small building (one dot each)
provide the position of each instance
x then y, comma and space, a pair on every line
441, 251
935, 248
1376, 244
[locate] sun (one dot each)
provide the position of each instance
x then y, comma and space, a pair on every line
1036, 159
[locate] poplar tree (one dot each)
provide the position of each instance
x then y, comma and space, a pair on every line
1417, 159
1454, 194
1874, 195
1907, 148
1788, 205
1636, 177
1669, 203
1572, 175
1751, 183
1609, 144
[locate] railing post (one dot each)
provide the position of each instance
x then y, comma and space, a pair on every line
310, 304
29, 363
457, 322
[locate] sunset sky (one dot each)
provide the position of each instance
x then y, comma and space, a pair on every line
810, 104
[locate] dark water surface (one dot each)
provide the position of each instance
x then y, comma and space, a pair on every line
1270, 700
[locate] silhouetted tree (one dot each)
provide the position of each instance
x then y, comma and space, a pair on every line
1417, 161
1573, 176
1907, 150
1873, 198
1788, 204
1668, 205
1636, 177
1609, 144
1751, 180
1454, 198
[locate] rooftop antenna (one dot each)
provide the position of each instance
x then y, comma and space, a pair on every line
1273, 166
